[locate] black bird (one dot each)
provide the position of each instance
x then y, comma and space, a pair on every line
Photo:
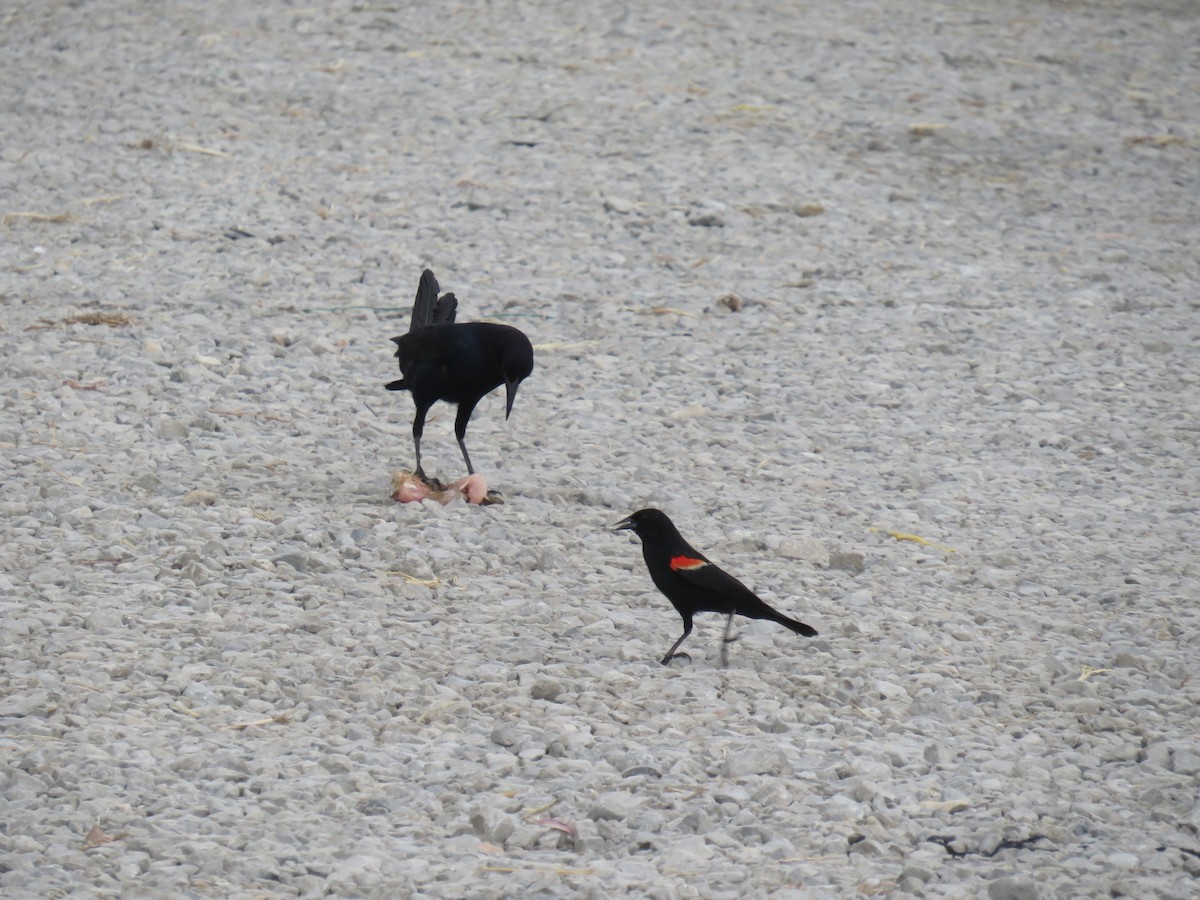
692, 583
456, 363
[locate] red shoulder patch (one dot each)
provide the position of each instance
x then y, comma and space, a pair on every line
686, 563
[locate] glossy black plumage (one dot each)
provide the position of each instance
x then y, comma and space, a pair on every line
456, 363
694, 584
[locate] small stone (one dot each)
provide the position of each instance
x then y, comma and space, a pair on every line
1159, 755
530, 837
760, 761
33, 703
357, 871
917, 873
298, 561
731, 793
148, 482
635, 771
504, 735
170, 430
866, 847
889, 691
549, 560
202, 694
846, 561
1054, 440
958, 847
199, 498
989, 841
374, 807
77, 516
690, 854
545, 689
1011, 887
491, 824
808, 550
1185, 762
103, 620
731, 302
587, 837
863, 789
614, 806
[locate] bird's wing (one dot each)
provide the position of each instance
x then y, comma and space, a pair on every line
734, 595
698, 571
426, 347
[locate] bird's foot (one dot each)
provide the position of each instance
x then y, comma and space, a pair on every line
434, 484
666, 660
410, 487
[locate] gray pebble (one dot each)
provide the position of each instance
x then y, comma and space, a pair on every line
614, 805
1011, 887
756, 761
806, 549
30, 703
492, 825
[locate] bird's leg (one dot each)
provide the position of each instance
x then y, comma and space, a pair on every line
687, 629
466, 459
726, 640
460, 432
418, 429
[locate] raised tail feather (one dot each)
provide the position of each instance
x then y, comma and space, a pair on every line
427, 308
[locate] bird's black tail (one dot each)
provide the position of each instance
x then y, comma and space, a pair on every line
798, 627
427, 308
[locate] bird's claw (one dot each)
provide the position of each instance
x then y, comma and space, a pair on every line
666, 660
436, 484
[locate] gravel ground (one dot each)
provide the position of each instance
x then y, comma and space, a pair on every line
964, 244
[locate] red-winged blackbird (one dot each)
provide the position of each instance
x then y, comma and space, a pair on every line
456, 363
692, 583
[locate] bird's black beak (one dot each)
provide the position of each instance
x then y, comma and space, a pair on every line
626, 524
510, 388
